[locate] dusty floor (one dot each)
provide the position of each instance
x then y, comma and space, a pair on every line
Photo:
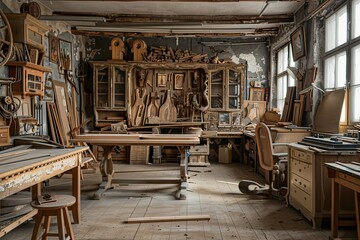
211, 191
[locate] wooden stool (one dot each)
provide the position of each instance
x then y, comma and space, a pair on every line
59, 208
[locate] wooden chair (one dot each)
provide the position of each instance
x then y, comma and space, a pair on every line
58, 208
273, 164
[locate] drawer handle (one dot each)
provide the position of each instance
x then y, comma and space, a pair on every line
304, 185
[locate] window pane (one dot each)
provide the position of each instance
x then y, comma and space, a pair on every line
291, 58
281, 92
342, 26
286, 58
354, 109
341, 69
329, 73
330, 33
356, 19
280, 66
355, 72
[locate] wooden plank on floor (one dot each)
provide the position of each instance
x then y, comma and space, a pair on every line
169, 218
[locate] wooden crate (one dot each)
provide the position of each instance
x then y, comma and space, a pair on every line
139, 154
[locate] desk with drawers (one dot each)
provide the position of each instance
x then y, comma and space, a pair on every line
309, 188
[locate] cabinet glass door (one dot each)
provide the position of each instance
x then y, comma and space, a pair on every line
102, 87
234, 90
216, 89
119, 88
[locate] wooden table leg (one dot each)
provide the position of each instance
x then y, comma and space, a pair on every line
357, 212
183, 174
334, 208
76, 192
107, 171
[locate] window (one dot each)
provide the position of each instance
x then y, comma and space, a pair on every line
355, 19
339, 50
284, 80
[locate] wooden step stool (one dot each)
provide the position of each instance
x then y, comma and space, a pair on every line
59, 208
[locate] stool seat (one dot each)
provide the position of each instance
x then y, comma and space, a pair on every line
58, 208
61, 201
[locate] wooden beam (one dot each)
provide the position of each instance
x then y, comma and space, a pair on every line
169, 19
259, 33
168, 219
196, 1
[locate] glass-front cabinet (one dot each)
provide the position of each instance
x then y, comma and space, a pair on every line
217, 89
225, 89
234, 90
226, 96
109, 93
118, 89
102, 87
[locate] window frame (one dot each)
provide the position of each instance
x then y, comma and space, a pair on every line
284, 73
347, 48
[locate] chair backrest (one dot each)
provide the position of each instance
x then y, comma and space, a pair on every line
264, 146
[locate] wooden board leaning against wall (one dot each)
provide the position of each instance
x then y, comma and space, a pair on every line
165, 93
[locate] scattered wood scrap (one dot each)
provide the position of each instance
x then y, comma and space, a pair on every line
166, 54
168, 219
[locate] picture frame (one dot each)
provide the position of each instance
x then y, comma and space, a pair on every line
224, 119
236, 118
48, 88
161, 79
298, 46
65, 53
257, 94
54, 49
179, 80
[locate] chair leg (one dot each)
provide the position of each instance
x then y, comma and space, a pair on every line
46, 227
68, 223
60, 222
38, 220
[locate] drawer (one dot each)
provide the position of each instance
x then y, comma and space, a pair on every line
301, 168
301, 155
301, 197
4, 136
199, 150
301, 183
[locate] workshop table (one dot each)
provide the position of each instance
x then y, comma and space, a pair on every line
29, 168
109, 141
347, 175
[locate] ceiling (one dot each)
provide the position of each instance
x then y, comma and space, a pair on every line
174, 18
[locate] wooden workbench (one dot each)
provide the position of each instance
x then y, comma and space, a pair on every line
348, 175
31, 168
109, 141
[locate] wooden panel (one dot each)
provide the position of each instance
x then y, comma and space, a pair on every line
61, 99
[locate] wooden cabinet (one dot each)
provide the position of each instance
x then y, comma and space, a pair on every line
4, 136
226, 97
309, 188
109, 92
31, 75
226, 88
27, 29
153, 93
28, 36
